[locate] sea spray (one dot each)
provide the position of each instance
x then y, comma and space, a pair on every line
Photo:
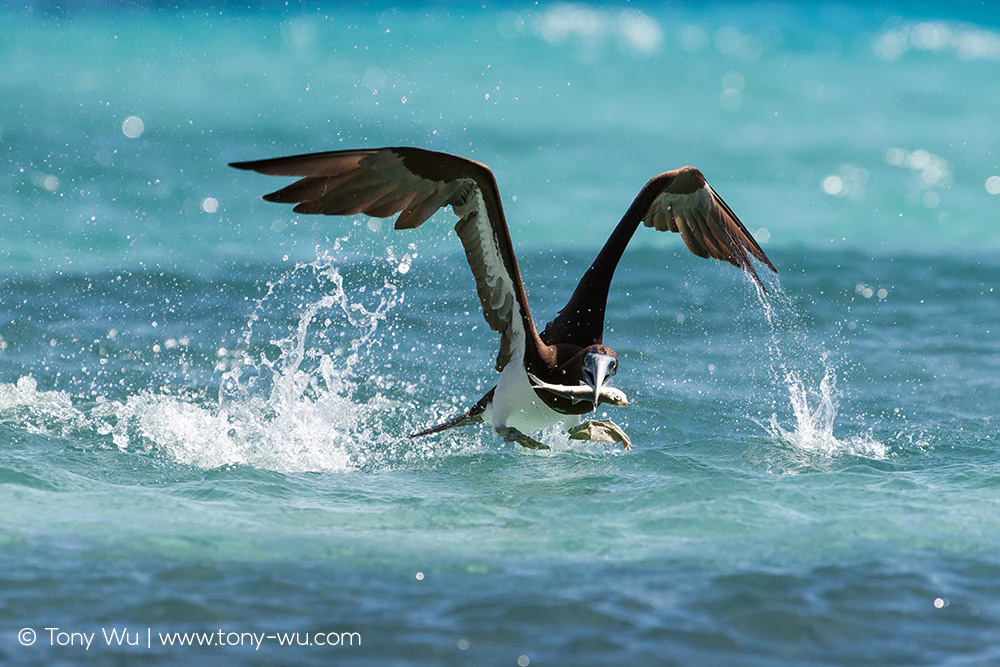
303, 391
814, 409
47, 412
795, 361
312, 398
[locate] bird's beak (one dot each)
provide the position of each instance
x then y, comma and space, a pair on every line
595, 372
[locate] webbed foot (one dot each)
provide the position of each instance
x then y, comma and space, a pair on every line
601, 430
511, 434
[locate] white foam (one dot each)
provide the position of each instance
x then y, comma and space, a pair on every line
302, 409
45, 412
310, 407
814, 410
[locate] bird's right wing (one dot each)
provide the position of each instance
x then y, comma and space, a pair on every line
678, 201
415, 183
686, 204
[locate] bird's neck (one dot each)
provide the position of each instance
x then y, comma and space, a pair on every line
581, 321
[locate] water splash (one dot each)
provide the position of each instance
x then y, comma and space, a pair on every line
303, 393
37, 411
795, 361
305, 400
814, 410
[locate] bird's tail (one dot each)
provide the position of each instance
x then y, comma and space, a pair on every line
473, 416
461, 420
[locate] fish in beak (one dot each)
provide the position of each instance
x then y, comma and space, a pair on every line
596, 369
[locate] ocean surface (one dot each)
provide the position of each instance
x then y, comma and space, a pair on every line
204, 397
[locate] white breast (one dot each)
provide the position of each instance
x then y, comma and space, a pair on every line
516, 405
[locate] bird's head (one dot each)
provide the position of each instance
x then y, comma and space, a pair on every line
600, 363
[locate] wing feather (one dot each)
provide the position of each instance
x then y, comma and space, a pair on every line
705, 222
493, 284
709, 234
415, 184
692, 238
305, 189
390, 205
420, 210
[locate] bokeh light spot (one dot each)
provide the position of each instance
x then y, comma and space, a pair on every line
133, 127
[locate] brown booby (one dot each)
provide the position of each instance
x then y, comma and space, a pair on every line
563, 372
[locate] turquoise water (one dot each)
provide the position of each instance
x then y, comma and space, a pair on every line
204, 398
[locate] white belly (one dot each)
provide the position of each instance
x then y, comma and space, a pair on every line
516, 405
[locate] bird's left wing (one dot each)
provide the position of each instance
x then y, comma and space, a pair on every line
415, 183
